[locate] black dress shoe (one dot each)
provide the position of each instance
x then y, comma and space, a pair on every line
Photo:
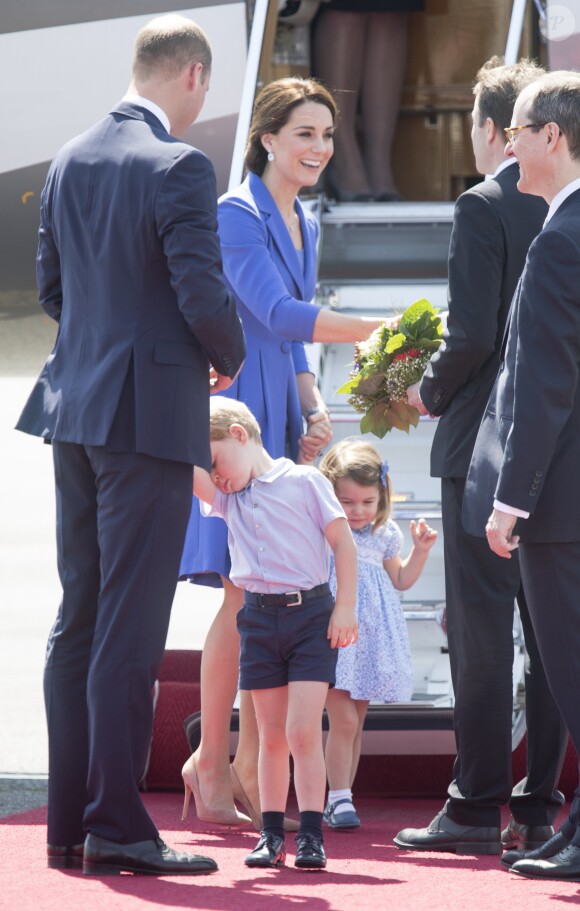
109, 858
269, 852
548, 849
563, 865
442, 834
65, 857
525, 838
309, 852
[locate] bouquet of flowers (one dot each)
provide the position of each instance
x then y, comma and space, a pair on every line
387, 363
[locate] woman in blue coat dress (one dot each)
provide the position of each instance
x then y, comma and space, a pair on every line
269, 255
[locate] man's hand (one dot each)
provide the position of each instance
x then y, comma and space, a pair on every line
218, 382
499, 533
414, 399
342, 629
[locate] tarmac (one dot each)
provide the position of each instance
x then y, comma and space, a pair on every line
29, 585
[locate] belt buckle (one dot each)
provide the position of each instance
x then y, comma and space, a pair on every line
294, 603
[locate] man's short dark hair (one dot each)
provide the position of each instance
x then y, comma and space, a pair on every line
497, 86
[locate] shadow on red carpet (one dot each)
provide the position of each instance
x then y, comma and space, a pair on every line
365, 871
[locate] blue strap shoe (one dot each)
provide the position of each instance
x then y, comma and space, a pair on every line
345, 820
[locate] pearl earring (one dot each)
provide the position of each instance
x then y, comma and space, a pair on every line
271, 155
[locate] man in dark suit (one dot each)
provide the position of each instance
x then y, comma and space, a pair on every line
129, 266
527, 453
493, 227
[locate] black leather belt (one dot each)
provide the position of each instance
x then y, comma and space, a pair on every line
287, 599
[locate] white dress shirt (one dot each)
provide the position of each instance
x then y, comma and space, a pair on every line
501, 167
149, 106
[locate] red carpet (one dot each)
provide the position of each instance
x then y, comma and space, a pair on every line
365, 871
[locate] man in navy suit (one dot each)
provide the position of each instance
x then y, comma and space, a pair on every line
493, 227
527, 453
129, 266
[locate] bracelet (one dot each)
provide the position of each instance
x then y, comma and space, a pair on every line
311, 412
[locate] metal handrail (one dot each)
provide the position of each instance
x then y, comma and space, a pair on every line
248, 92
516, 28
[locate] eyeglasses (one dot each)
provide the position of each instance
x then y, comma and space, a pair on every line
512, 132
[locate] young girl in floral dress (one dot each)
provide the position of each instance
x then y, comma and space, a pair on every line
378, 666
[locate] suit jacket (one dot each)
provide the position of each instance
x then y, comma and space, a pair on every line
493, 227
129, 265
273, 285
527, 451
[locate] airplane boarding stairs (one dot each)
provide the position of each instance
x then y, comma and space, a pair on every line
378, 259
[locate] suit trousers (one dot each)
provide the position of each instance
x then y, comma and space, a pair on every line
121, 522
551, 574
481, 589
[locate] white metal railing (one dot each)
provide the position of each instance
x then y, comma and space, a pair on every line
515, 31
248, 92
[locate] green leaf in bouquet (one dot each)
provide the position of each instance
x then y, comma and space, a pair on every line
395, 343
385, 332
376, 420
426, 327
430, 344
415, 311
349, 387
366, 382
420, 320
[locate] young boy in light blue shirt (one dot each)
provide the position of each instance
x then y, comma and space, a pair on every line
283, 521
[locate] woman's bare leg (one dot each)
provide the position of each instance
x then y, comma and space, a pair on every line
246, 759
219, 683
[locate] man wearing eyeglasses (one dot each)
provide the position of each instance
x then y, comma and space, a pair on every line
527, 454
493, 227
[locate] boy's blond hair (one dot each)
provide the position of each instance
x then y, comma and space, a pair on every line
224, 412
360, 462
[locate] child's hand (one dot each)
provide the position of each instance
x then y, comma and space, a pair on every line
342, 629
423, 535
318, 435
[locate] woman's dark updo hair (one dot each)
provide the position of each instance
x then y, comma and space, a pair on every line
272, 110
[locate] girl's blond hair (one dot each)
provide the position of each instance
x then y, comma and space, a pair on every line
360, 462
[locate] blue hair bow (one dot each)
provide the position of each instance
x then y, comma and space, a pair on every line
384, 472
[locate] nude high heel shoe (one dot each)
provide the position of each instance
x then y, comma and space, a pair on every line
223, 816
290, 825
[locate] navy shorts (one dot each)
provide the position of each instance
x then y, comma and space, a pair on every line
284, 644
